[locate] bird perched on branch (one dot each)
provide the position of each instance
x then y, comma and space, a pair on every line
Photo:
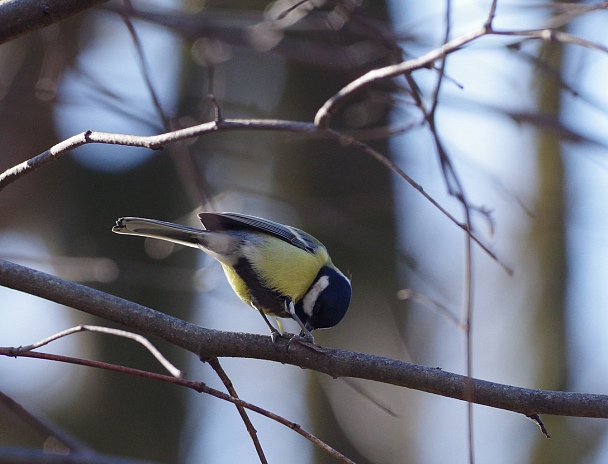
277, 269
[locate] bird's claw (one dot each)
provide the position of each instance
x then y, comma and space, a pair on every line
306, 340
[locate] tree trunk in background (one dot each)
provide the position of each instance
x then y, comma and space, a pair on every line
550, 344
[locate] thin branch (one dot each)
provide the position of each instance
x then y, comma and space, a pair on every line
393, 167
197, 386
156, 142
333, 104
174, 371
207, 343
441, 70
143, 64
181, 155
491, 15
253, 433
43, 427
52, 154
458, 190
217, 108
549, 35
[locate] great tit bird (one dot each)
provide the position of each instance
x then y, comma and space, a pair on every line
277, 269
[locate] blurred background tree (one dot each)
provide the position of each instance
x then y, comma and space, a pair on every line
520, 120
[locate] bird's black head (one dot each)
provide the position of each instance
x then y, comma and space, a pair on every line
326, 301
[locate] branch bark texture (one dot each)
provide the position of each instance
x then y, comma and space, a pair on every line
19, 17
207, 343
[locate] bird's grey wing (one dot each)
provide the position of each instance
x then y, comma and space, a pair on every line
216, 222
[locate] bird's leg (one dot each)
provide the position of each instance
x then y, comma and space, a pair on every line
274, 333
305, 333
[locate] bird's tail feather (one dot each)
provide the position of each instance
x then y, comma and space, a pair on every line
152, 228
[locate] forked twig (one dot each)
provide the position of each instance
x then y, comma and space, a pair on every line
197, 386
174, 371
157, 142
145, 69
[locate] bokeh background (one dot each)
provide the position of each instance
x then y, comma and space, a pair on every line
522, 121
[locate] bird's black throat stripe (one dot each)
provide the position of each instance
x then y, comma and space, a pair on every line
262, 297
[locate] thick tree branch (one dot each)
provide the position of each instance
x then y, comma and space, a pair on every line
18, 17
207, 343
11, 454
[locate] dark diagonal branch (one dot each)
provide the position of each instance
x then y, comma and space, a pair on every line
43, 427
196, 386
207, 343
19, 18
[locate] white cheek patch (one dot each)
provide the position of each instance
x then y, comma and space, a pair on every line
308, 303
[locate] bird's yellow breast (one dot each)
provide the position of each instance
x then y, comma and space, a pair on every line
237, 284
279, 266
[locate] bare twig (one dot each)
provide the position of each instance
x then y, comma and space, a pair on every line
331, 106
457, 189
197, 386
216, 106
549, 35
441, 70
174, 371
253, 433
393, 167
490, 20
157, 142
145, 70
